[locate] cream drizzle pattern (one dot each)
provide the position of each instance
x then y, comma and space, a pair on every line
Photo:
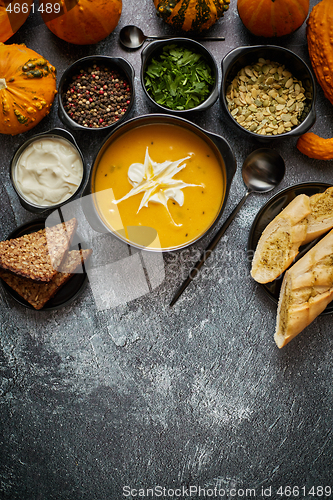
156, 181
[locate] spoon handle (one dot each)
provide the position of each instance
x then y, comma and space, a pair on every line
205, 38
159, 37
209, 250
211, 38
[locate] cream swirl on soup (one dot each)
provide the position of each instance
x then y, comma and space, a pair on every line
156, 181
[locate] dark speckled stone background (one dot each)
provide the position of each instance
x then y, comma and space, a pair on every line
142, 395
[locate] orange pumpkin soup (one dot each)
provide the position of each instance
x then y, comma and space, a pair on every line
160, 176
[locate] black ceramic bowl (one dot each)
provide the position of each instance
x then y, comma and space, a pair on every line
54, 133
238, 58
218, 144
154, 49
115, 63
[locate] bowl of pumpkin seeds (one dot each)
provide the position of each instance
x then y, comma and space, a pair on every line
268, 92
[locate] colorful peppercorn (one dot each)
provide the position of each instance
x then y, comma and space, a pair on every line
97, 97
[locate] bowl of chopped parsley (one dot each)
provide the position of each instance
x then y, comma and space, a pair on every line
179, 76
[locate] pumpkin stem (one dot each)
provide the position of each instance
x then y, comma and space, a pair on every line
2, 84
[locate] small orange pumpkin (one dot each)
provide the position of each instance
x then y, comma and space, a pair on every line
27, 88
271, 18
87, 22
12, 16
315, 146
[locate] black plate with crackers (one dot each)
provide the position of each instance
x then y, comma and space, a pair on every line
68, 292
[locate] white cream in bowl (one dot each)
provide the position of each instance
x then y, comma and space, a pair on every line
49, 171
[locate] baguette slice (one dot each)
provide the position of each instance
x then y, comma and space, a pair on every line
307, 289
320, 219
38, 255
280, 241
38, 294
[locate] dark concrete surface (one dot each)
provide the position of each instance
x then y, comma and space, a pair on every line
138, 395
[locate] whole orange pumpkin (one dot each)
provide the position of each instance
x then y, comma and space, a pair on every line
272, 18
27, 88
87, 22
12, 16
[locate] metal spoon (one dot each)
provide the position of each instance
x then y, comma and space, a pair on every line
133, 37
262, 170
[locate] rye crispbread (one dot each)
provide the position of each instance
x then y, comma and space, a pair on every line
38, 294
38, 255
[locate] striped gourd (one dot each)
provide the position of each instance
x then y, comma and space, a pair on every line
191, 15
320, 45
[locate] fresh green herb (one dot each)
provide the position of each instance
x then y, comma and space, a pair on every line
178, 78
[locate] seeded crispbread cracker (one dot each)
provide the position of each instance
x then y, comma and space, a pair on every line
38, 255
38, 294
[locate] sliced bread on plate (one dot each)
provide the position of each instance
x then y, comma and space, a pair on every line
320, 219
280, 241
306, 290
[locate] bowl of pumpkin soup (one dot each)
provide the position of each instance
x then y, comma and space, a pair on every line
159, 182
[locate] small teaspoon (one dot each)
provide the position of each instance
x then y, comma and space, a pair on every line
133, 37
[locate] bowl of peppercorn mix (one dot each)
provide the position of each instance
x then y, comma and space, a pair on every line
96, 93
